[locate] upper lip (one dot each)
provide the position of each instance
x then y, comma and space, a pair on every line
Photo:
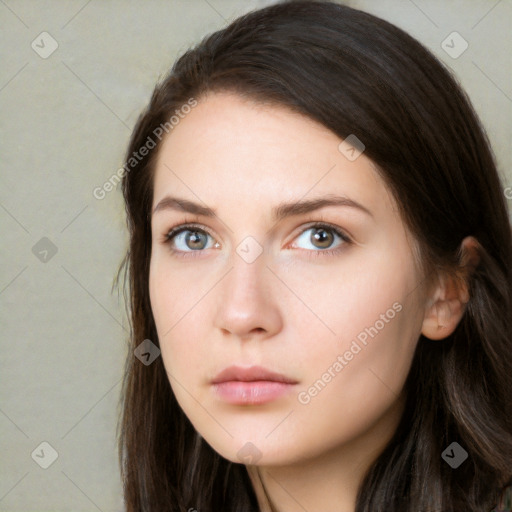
248, 374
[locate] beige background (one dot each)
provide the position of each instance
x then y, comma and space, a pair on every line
65, 123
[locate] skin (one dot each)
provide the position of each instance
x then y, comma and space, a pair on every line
288, 310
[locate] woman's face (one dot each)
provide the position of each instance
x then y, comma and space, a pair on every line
255, 284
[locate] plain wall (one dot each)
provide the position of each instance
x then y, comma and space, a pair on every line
65, 123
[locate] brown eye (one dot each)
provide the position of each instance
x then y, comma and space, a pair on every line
322, 237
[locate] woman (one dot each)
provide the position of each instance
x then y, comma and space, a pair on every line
320, 253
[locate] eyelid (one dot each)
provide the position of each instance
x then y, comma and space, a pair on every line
187, 226
342, 233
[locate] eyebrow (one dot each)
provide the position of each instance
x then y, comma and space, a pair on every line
279, 212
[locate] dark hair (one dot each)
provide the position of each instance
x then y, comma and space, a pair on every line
355, 74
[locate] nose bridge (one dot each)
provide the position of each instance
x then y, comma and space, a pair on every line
247, 301
248, 261
248, 279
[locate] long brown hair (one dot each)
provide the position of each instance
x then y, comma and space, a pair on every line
354, 73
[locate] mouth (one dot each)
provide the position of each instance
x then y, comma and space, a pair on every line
250, 386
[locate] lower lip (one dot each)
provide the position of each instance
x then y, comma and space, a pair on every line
251, 393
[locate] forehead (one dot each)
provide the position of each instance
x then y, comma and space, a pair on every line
231, 150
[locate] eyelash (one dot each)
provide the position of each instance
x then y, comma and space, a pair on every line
167, 239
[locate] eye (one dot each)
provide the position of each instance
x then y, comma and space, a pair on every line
191, 239
322, 236
188, 238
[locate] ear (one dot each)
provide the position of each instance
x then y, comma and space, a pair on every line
447, 302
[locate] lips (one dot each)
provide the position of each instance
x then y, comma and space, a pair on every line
251, 374
250, 386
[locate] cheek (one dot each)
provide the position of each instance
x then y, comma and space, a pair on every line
352, 376
162, 297
373, 362
172, 294
341, 299
350, 388
168, 300
177, 300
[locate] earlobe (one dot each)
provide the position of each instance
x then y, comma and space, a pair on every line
448, 303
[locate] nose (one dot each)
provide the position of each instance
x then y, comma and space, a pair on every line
248, 303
